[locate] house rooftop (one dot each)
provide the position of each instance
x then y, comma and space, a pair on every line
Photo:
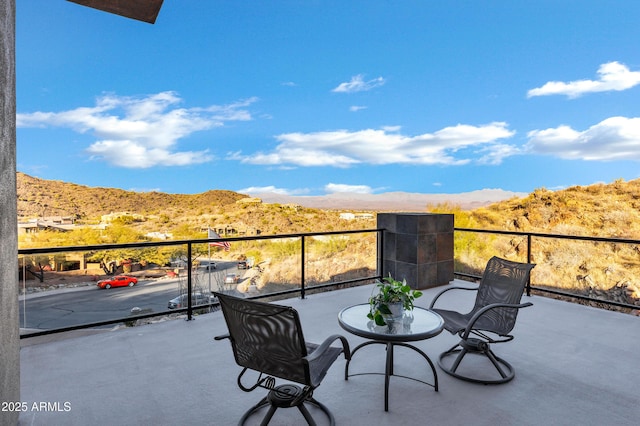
574, 365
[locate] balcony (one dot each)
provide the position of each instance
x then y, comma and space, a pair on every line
574, 365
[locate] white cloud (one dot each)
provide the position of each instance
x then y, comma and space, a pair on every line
340, 187
262, 190
342, 148
356, 108
616, 138
141, 132
494, 154
270, 189
613, 76
357, 84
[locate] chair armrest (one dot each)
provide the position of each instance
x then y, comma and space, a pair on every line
222, 337
320, 350
437, 296
484, 310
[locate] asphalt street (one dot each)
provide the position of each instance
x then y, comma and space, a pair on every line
68, 307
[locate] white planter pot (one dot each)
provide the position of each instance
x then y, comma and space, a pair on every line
397, 311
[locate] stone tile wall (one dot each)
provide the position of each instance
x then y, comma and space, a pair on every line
418, 247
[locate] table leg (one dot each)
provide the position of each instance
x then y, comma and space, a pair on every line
424, 355
389, 370
362, 345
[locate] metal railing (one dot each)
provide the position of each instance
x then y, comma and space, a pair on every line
545, 289
303, 288
190, 308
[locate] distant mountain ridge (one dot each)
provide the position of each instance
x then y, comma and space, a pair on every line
392, 201
40, 197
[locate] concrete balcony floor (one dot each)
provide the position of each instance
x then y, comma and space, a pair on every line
575, 365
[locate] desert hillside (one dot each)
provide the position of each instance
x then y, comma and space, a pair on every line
39, 197
607, 210
611, 210
601, 270
162, 212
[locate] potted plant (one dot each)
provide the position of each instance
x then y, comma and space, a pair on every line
392, 299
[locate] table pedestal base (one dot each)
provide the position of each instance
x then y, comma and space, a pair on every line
388, 371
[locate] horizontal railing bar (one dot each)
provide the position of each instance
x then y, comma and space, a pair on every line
351, 281
559, 236
465, 275
587, 298
42, 250
185, 310
116, 321
563, 237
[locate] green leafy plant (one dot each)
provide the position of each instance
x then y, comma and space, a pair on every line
390, 291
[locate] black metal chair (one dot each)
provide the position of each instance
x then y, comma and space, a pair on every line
490, 321
268, 339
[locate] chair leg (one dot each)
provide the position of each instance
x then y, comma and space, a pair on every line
306, 414
282, 397
270, 413
324, 409
480, 348
458, 360
496, 362
263, 403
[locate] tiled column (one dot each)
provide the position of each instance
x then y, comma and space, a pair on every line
418, 247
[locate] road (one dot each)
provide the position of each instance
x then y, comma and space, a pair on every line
64, 308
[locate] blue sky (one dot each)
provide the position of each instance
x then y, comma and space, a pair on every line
309, 97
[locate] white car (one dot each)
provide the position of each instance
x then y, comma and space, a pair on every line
196, 299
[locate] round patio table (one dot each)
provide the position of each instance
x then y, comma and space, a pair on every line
419, 324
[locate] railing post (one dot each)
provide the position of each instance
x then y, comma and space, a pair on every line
189, 286
529, 261
380, 253
302, 289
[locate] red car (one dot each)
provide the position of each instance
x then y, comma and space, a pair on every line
118, 281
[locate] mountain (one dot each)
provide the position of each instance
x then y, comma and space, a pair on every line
40, 197
610, 210
392, 201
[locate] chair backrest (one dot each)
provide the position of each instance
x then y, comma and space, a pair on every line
503, 281
266, 337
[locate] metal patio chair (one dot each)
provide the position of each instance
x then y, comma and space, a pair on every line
490, 321
268, 339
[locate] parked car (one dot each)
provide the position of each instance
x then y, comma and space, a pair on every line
118, 281
196, 299
231, 279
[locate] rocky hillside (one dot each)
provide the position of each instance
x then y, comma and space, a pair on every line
607, 210
170, 212
605, 271
39, 197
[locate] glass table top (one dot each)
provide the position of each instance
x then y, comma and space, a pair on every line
415, 325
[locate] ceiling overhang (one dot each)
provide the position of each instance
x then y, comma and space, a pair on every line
141, 10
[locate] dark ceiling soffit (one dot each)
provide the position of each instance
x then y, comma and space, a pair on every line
141, 10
